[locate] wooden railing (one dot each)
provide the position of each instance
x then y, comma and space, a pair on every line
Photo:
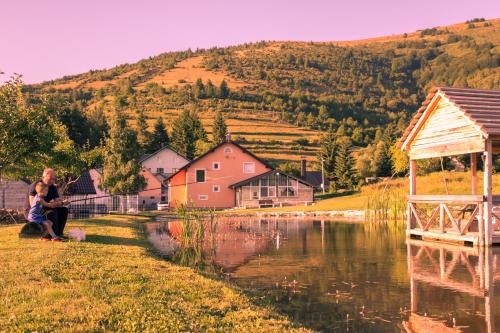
445, 213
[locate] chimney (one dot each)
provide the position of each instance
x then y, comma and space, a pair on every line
303, 168
228, 137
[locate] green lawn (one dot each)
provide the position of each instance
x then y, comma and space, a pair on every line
114, 282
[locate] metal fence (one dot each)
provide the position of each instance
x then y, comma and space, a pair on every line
85, 206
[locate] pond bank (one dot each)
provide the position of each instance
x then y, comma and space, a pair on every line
114, 282
350, 215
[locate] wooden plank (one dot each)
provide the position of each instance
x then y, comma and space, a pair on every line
470, 220
442, 217
473, 169
451, 218
488, 203
431, 218
415, 214
447, 150
421, 121
431, 198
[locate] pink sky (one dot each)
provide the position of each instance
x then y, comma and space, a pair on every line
46, 39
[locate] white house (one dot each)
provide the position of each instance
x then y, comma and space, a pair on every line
163, 162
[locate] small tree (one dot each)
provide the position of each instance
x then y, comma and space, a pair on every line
159, 138
382, 159
143, 135
219, 131
199, 89
121, 173
223, 90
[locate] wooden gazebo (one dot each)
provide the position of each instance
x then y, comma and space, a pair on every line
455, 121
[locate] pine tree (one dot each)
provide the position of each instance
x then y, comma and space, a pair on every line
345, 174
210, 90
219, 131
120, 171
199, 89
186, 130
327, 151
382, 160
159, 138
143, 135
223, 90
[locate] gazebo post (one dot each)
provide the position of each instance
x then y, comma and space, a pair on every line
488, 203
473, 170
413, 189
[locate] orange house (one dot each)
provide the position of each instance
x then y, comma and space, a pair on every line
205, 182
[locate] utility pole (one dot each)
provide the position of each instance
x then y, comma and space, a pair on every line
322, 176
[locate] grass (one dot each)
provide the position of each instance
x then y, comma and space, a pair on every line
114, 282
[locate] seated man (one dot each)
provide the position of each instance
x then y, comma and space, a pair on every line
58, 214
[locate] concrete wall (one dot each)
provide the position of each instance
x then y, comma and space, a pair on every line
13, 194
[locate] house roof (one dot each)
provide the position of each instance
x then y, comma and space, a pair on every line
315, 178
217, 146
147, 156
248, 180
481, 106
84, 185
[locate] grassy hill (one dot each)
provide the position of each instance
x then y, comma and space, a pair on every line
283, 94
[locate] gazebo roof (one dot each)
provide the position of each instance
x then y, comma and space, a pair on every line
480, 106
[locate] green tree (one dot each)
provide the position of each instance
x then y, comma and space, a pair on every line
382, 159
199, 89
143, 135
121, 173
159, 138
210, 90
27, 132
327, 151
219, 131
223, 90
345, 173
186, 130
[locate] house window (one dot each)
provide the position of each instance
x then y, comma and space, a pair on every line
159, 170
200, 175
203, 197
228, 150
216, 166
255, 194
248, 167
216, 188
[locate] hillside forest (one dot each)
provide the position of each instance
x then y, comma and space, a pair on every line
341, 103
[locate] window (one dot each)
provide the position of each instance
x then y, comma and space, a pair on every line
248, 167
203, 197
255, 194
159, 170
216, 188
200, 175
216, 166
228, 150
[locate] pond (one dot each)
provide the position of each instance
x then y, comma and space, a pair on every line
339, 276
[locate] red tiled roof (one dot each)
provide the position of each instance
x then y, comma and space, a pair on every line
479, 105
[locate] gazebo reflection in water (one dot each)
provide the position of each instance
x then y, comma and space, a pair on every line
436, 269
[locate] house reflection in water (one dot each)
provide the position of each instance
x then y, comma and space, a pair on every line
436, 268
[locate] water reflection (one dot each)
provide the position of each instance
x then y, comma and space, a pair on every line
463, 270
334, 276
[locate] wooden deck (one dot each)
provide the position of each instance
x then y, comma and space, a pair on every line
471, 238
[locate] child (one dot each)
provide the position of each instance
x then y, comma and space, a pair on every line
36, 211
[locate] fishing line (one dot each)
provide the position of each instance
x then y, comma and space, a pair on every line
149, 189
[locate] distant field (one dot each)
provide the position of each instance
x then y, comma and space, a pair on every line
267, 138
188, 71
